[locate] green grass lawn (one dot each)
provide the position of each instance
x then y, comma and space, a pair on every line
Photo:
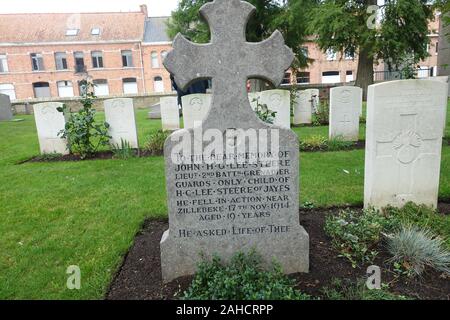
86, 213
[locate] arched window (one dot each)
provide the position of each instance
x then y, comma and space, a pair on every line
65, 89
101, 87
41, 90
155, 61
130, 86
158, 84
8, 89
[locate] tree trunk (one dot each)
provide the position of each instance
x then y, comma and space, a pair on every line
364, 76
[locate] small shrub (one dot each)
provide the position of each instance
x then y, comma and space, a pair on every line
264, 113
314, 143
84, 136
356, 234
338, 143
155, 142
346, 290
122, 151
322, 116
242, 279
415, 249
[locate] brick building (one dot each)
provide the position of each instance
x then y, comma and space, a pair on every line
47, 55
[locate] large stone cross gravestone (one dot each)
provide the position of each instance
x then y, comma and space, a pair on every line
233, 182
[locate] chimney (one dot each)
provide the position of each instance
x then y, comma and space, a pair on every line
144, 9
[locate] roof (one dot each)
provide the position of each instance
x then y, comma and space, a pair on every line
156, 30
52, 27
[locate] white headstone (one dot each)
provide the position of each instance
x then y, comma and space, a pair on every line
303, 108
119, 114
280, 102
195, 109
170, 115
404, 142
5, 108
345, 106
49, 123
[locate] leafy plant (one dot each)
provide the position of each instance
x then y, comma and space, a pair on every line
322, 116
338, 143
84, 136
415, 249
357, 234
242, 279
123, 151
314, 143
155, 142
347, 290
264, 113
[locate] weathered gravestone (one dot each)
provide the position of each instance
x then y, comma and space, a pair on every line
119, 114
49, 123
195, 108
170, 114
278, 101
155, 111
404, 142
5, 108
233, 183
315, 99
345, 107
303, 108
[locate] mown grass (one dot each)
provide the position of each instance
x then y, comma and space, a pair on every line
86, 213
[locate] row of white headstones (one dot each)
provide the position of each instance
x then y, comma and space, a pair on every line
346, 109
404, 129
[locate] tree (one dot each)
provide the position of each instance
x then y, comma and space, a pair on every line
399, 34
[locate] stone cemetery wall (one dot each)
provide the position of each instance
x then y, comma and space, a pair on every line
170, 114
49, 122
5, 108
119, 114
345, 109
404, 142
195, 109
280, 102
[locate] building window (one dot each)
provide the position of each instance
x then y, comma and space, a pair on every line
79, 61
155, 61
65, 89
158, 84
437, 48
61, 61
127, 58
331, 77
37, 62
331, 55
97, 59
130, 86
287, 78
8, 89
305, 52
349, 76
303, 78
71, 32
95, 31
101, 87
41, 90
3, 63
349, 55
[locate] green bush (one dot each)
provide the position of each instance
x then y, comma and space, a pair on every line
84, 136
263, 112
242, 279
123, 151
415, 249
322, 116
314, 143
338, 143
346, 290
356, 234
155, 143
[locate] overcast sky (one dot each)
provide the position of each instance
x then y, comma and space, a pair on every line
155, 7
